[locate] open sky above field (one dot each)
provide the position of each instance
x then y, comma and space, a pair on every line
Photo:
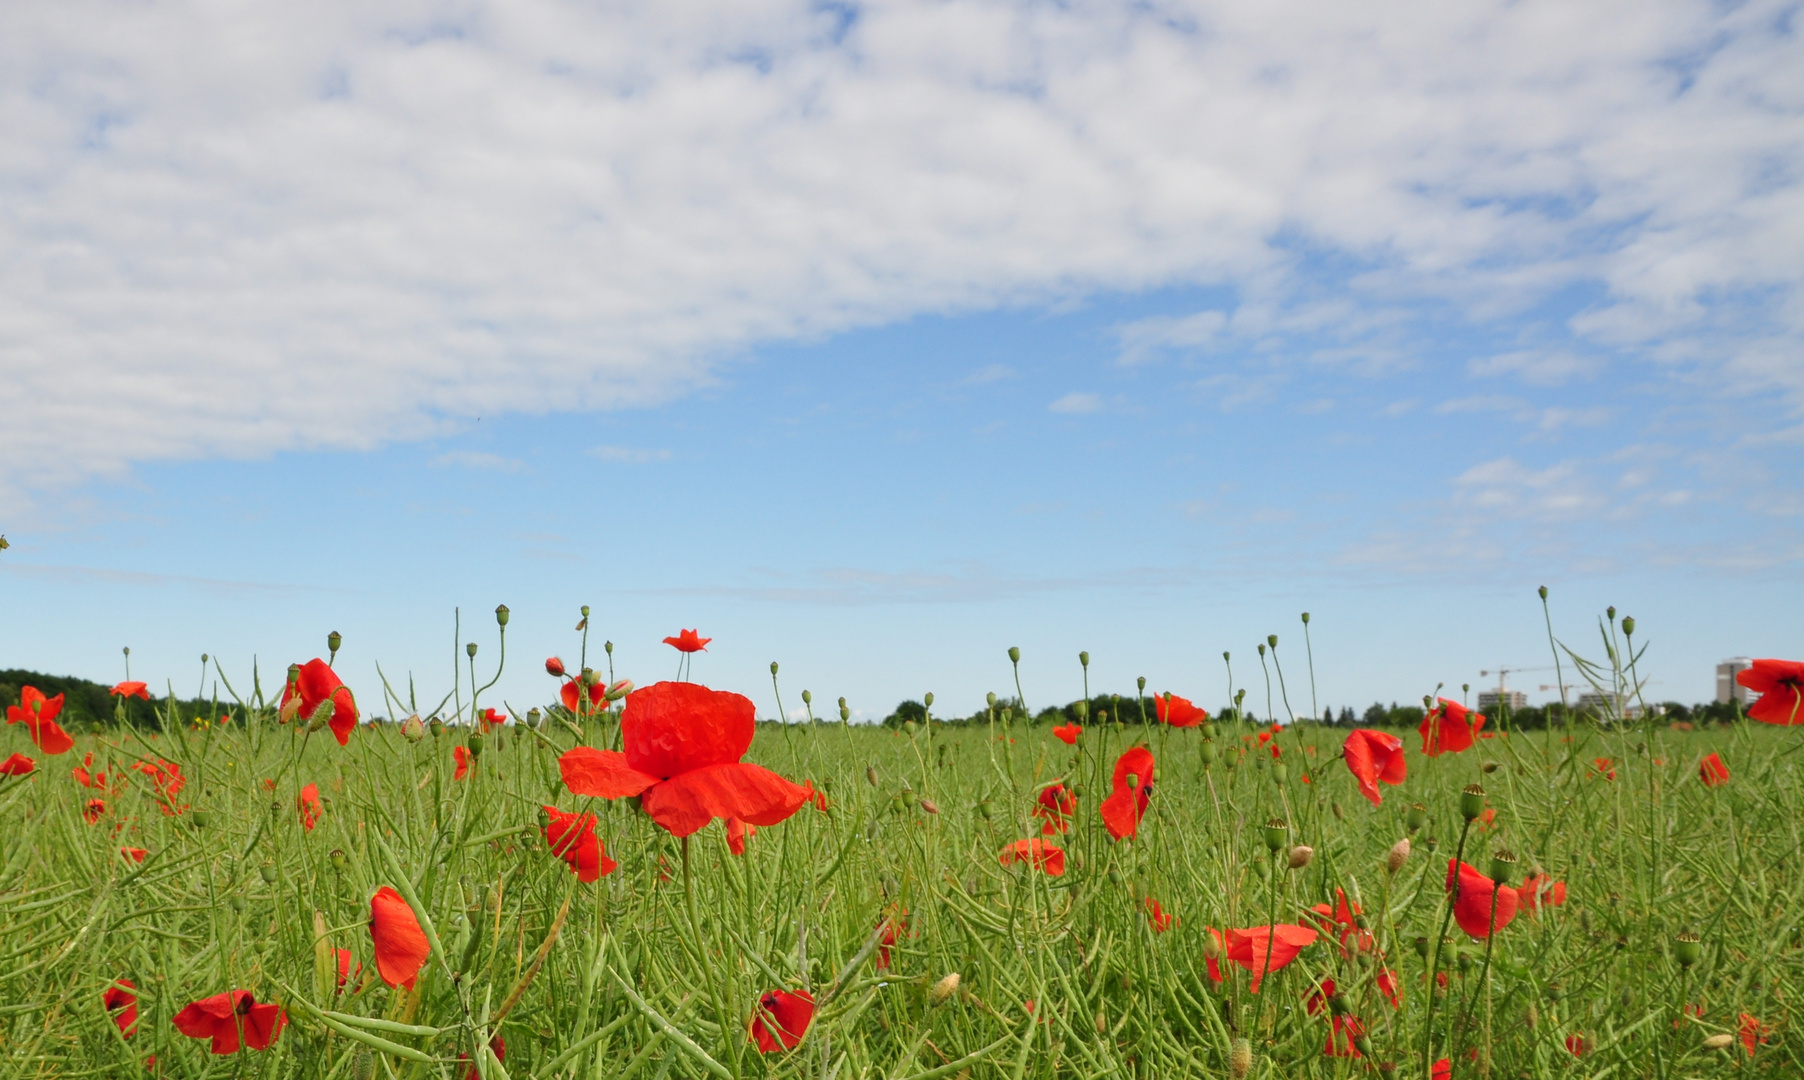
877, 338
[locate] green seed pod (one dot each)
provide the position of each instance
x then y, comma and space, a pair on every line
201, 819
501, 615
773, 667
237, 903
910, 726
990, 699
1272, 640
845, 714
807, 698
470, 650
475, 742
1543, 591
1114, 876
1503, 865
1280, 772
334, 640
585, 611
1277, 834
1084, 659
1208, 752
1471, 802
1422, 947
436, 726
985, 810
927, 699
1014, 654
608, 647
1687, 949
340, 862
1306, 618
1464, 960
870, 774
1628, 624
1141, 683
1262, 870
268, 871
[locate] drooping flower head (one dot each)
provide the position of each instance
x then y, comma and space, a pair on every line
401, 947
308, 804
781, 1020
1780, 684
1177, 711
689, 641
554, 666
314, 684
131, 689
1261, 949
1054, 806
230, 1020
572, 838
1048, 858
1449, 728
121, 1000
1067, 733
1473, 905
1374, 757
1129, 792
1713, 772
38, 713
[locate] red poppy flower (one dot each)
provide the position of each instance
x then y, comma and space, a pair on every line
119, 998
1161, 921
93, 811
554, 666
1178, 712
1391, 987
1449, 728
309, 806
461, 756
1264, 737
572, 838
1211, 957
230, 1018
1250, 947
1374, 757
131, 689
135, 854
782, 1019
892, 932
683, 743
1342, 920
401, 948
345, 967
1538, 891
1342, 1030
17, 765
1067, 733
315, 684
1752, 1031
1604, 767
1054, 806
688, 641
1780, 684
1441, 1070
1039, 854
1472, 905
572, 696
497, 1045
738, 832
84, 777
491, 719
1713, 772
1577, 1044
167, 780
1131, 789
38, 713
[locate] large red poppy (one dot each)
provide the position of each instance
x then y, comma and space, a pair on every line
1282, 942
38, 713
1472, 906
401, 948
131, 689
317, 683
1449, 728
782, 1019
230, 1017
308, 804
1390, 986
1713, 772
1374, 757
572, 838
1067, 733
688, 641
1131, 788
17, 765
1054, 806
1036, 853
1177, 711
683, 743
1538, 891
1780, 684
121, 1000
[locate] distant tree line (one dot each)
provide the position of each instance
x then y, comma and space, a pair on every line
88, 705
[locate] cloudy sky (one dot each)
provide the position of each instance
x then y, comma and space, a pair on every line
876, 338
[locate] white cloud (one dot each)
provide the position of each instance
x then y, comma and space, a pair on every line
234, 230
1540, 367
479, 460
1076, 403
991, 374
631, 455
1143, 337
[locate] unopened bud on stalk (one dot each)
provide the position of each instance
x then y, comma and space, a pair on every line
1487, 767
927, 699
1240, 1059
1272, 640
1397, 856
501, 614
1280, 772
943, 989
1687, 948
475, 744
436, 726
1628, 624
909, 727
930, 806
1141, 683
363, 1065
1503, 864
1084, 659
773, 667
870, 774
322, 715
1543, 591
554, 666
1300, 856
1422, 947
1416, 817
807, 698
1471, 801
607, 647
1208, 751
588, 677
1261, 648
1277, 832
1611, 612
470, 650
1719, 1041
413, 729
845, 714
618, 690
268, 873
1014, 654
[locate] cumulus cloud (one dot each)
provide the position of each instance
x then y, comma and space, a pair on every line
235, 230
479, 460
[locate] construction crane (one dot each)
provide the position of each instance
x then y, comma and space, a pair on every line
1504, 673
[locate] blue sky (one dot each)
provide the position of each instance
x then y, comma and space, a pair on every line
1112, 328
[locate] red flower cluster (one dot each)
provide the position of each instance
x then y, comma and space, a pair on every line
167, 781
1473, 906
1067, 733
1049, 858
1780, 684
1604, 767
86, 778
1449, 728
401, 947
17, 765
1374, 757
1158, 917
38, 713
308, 804
1261, 949
1342, 1029
1538, 891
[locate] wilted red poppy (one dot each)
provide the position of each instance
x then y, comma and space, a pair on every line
572, 838
1752, 1032
1374, 757
167, 780
571, 693
1130, 790
1604, 767
230, 1018
497, 1045
135, 854
1713, 772
93, 811
683, 744
738, 832
1157, 916
122, 1001
38, 713
131, 689
17, 765
1260, 949
688, 641
1538, 891
1036, 853
1391, 987
1449, 728
1054, 806
307, 802
1472, 904
782, 1019
1342, 1030
401, 948
554, 666
315, 684
1780, 684
1067, 733
1177, 711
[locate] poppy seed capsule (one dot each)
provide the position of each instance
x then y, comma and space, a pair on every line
1397, 856
1300, 856
268, 871
501, 615
1471, 802
1084, 659
845, 714
1687, 949
773, 667
1503, 864
1280, 772
927, 699
475, 744
436, 726
1628, 624
1208, 751
608, 647
1014, 655
338, 860
807, 698
1240, 1058
943, 989
1277, 832
334, 640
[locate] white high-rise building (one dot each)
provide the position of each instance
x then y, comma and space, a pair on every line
1727, 689
1488, 699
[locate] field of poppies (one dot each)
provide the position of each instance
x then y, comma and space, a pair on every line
649, 883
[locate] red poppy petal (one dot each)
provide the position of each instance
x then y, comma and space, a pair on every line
51, 738
401, 947
344, 715
601, 774
670, 728
751, 793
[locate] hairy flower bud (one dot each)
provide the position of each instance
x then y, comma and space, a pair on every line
943, 989
413, 729
554, 666
870, 774
619, 690
1720, 1041
1300, 856
1240, 1058
930, 806
1397, 856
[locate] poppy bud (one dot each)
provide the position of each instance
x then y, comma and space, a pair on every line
1422, 947
807, 698
1280, 772
927, 699
1464, 960
1208, 751
943, 989
990, 699
870, 774
334, 640
363, 1065
1300, 856
201, 819
1337, 1005
1628, 624
338, 860
1398, 855
501, 615
608, 647
237, 903
412, 729
475, 744
470, 650
909, 726
1014, 655
845, 714
436, 726
1141, 683
1262, 870
1240, 1058
1687, 949
1416, 817
1611, 612
985, 810
1487, 767
619, 690
1503, 863
1277, 833
908, 795
773, 667
930, 806
554, 666
268, 870
1720, 1041
322, 715
1114, 875
1543, 591
1471, 801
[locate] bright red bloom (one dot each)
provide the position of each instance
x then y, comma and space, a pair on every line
1211, 957
1283, 941
1264, 737
1391, 987
1177, 712
17, 765
401, 947
1538, 891
1037, 853
738, 832
120, 999
1604, 767
892, 932
554, 666
460, 755
1054, 806
1374, 757
1342, 1030
1472, 904
572, 838
1713, 772
1442, 1070
1577, 1044
167, 779
318, 683
1449, 728
1780, 684
688, 641
93, 811
88, 779
345, 968
1067, 733
131, 689
135, 854
1161, 920
782, 1019
1752, 1031
1342, 920
229, 1018
572, 696
1131, 789
683, 744
491, 719
38, 713
307, 802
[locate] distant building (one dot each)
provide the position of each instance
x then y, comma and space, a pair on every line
1727, 689
1607, 704
1489, 700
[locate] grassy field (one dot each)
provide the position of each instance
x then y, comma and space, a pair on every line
870, 897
